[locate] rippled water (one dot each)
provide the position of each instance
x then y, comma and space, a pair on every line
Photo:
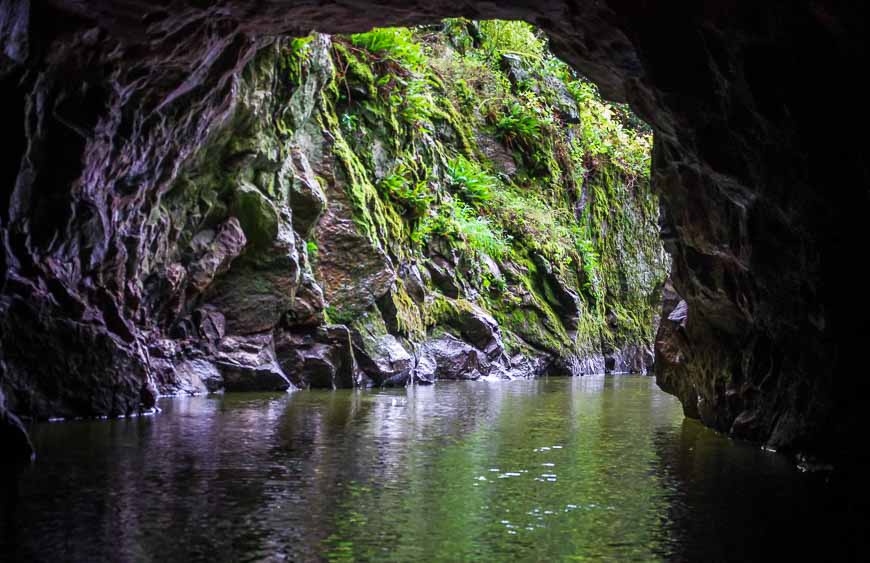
593, 467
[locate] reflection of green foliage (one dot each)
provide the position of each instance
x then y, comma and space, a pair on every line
602, 502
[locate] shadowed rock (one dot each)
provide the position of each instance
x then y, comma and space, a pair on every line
763, 208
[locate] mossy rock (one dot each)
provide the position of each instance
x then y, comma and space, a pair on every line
257, 215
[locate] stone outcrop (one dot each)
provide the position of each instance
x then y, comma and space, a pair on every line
322, 359
109, 103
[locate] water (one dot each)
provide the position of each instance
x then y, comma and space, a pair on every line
552, 469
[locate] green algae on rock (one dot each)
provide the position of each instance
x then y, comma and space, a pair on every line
454, 195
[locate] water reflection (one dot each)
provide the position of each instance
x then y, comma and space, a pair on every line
599, 467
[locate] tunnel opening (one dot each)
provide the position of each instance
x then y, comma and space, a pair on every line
406, 205
180, 260
726, 193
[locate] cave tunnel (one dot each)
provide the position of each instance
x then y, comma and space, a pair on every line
762, 193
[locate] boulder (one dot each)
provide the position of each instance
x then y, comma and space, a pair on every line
210, 323
501, 158
562, 99
354, 272
306, 309
378, 353
320, 358
482, 331
415, 285
447, 357
516, 69
249, 364
565, 301
216, 250
198, 375
261, 286
256, 214
443, 275
307, 199
319, 71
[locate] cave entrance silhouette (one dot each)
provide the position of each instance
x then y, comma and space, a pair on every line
763, 208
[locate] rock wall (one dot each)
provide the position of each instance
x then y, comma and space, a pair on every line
324, 233
762, 190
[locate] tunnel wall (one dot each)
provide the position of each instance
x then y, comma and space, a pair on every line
763, 189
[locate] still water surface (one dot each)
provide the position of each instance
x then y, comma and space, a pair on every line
551, 469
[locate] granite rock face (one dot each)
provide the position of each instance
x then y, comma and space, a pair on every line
109, 103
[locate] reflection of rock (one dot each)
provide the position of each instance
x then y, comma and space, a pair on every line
13, 436
322, 358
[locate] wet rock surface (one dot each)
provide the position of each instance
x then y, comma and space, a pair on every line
322, 359
447, 357
762, 211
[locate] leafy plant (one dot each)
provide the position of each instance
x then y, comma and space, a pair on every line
396, 43
459, 223
518, 125
349, 121
402, 187
474, 184
311, 246
517, 37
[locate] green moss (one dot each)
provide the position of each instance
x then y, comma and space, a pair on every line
257, 215
334, 315
354, 69
409, 317
409, 116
